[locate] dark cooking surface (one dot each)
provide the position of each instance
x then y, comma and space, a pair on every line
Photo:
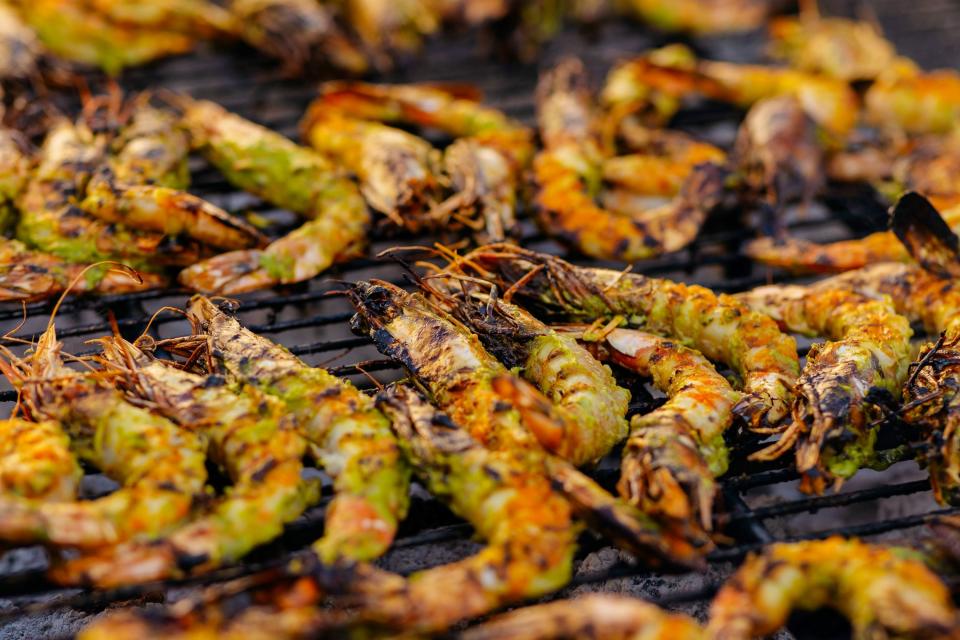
761, 507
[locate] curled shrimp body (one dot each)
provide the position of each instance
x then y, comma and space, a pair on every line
350, 439
658, 81
883, 592
36, 462
50, 221
837, 47
159, 466
674, 453
297, 32
527, 525
718, 326
568, 175
132, 187
248, 434
396, 169
696, 16
77, 33
913, 101
578, 385
28, 276
869, 351
481, 395
484, 164
932, 392
595, 617
287, 175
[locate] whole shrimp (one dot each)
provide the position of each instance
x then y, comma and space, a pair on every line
931, 398
398, 171
297, 32
485, 163
718, 326
287, 175
249, 435
350, 439
81, 34
674, 453
833, 416
479, 393
28, 276
597, 616
699, 17
140, 185
884, 592
845, 49
36, 462
578, 385
568, 174
51, 222
657, 83
159, 466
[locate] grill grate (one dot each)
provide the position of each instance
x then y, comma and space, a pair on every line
760, 503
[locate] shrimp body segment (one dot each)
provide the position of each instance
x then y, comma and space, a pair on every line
883, 592
249, 435
498, 409
696, 16
675, 452
569, 171
350, 439
913, 101
719, 326
36, 462
159, 466
15, 168
598, 616
289, 176
869, 351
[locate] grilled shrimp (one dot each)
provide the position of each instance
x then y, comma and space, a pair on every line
50, 221
398, 171
36, 462
579, 386
931, 393
15, 165
199, 18
675, 452
481, 395
159, 466
595, 616
287, 175
869, 351
568, 174
388, 27
913, 101
28, 276
298, 32
699, 17
719, 326
77, 33
349, 438
249, 435
527, 525
883, 592
132, 187
845, 49
484, 164
658, 81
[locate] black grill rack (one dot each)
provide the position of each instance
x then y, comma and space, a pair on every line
760, 502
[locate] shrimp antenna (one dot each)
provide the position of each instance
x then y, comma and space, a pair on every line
115, 266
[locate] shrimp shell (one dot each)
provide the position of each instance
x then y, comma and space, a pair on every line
36, 462
883, 592
719, 326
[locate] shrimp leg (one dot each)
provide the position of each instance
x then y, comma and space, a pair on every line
290, 176
719, 326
